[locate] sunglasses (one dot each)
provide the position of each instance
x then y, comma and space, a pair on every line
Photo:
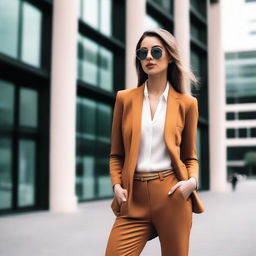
142, 53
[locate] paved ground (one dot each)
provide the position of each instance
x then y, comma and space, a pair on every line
226, 228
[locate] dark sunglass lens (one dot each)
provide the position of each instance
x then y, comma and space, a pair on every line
142, 54
156, 53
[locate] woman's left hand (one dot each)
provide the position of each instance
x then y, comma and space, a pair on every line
186, 187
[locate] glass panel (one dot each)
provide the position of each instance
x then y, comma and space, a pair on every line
97, 14
90, 12
26, 177
9, 14
105, 17
85, 161
241, 77
6, 103
106, 69
195, 62
253, 132
31, 35
93, 145
87, 60
86, 114
104, 116
230, 133
198, 32
85, 181
199, 6
6, 185
151, 23
164, 4
28, 107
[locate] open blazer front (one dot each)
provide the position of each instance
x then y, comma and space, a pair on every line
179, 136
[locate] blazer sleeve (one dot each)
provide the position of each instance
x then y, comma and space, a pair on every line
117, 148
188, 143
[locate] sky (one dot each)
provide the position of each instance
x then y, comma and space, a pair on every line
239, 25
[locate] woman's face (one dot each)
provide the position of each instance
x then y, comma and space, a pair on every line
150, 65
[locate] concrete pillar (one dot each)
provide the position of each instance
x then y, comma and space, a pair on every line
216, 97
135, 18
63, 106
181, 29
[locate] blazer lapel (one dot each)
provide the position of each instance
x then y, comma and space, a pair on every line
169, 125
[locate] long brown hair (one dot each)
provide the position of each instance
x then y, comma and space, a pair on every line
177, 75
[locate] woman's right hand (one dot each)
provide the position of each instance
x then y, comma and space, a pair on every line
120, 193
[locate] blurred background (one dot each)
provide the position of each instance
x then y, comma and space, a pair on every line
61, 64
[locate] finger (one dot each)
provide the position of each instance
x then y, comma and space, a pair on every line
173, 189
124, 197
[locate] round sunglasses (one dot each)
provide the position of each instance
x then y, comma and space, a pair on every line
142, 53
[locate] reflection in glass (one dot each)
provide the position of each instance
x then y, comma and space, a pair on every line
106, 69
6, 103
165, 4
86, 128
93, 144
196, 63
89, 12
87, 60
97, 14
28, 107
95, 64
9, 10
241, 77
105, 17
26, 173
151, 23
31, 35
200, 6
104, 115
198, 32
5, 173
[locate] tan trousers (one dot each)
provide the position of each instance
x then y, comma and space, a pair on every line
156, 211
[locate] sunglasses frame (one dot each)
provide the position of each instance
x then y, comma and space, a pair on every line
151, 52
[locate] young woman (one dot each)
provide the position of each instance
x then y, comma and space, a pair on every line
153, 159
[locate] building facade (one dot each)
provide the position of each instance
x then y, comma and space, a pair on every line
240, 109
61, 66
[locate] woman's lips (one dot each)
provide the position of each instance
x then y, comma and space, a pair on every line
150, 65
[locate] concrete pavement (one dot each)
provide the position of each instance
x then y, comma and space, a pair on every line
226, 228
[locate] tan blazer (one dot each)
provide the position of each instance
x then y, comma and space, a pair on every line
179, 135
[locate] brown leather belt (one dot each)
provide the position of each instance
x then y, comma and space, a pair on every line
145, 176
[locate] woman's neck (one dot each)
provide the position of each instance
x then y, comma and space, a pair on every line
156, 84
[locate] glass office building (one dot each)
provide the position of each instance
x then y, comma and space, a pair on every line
241, 111
25, 63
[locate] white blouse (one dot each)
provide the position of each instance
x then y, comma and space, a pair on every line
153, 154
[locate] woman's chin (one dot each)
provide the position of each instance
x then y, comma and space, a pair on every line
152, 72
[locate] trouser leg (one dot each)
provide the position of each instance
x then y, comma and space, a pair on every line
171, 216
129, 234
128, 237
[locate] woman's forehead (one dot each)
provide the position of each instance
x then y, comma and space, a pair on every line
150, 41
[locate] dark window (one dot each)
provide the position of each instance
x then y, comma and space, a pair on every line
230, 116
253, 132
242, 132
246, 115
230, 133
21, 25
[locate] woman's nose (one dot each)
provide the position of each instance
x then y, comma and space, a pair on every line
149, 56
